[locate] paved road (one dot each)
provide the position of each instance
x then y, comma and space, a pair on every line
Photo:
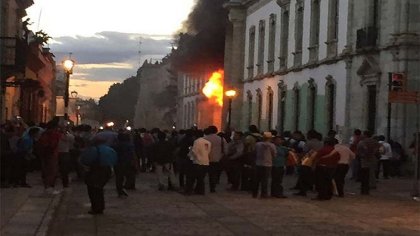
149, 212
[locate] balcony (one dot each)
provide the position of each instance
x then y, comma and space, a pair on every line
13, 59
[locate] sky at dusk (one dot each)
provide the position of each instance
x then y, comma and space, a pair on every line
103, 36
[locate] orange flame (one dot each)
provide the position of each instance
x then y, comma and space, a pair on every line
214, 87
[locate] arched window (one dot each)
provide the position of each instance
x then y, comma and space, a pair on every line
312, 93
296, 105
261, 45
282, 92
259, 108
330, 91
270, 102
249, 110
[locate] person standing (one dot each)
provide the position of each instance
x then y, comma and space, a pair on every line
218, 150
277, 171
346, 157
163, 158
248, 167
99, 159
48, 148
265, 153
324, 170
355, 164
23, 155
235, 154
125, 169
200, 157
368, 151
386, 155
64, 159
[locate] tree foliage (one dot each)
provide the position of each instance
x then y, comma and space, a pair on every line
118, 105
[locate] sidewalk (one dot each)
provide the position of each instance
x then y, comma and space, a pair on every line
26, 211
147, 211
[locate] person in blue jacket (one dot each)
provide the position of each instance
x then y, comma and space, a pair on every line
99, 159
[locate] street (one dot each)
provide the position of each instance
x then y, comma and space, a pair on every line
388, 211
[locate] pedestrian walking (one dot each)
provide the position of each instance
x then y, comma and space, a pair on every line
99, 160
163, 159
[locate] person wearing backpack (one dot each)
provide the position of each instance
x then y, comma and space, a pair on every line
218, 149
248, 167
385, 159
99, 160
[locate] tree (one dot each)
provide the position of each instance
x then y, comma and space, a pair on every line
41, 37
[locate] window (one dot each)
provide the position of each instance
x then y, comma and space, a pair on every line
330, 102
311, 104
282, 90
284, 38
271, 42
298, 33
269, 108
261, 44
251, 51
249, 103
371, 122
314, 37
333, 17
296, 104
259, 108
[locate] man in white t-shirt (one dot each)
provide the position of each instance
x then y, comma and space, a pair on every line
199, 155
386, 154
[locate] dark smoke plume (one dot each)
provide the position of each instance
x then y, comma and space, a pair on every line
201, 45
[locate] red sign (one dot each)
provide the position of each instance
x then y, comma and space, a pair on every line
404, 97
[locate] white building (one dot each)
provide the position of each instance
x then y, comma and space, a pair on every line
321, 64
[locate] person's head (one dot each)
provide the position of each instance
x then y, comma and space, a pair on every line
206, 132
33, 132
278, 140
311, 134
331, 133
212, 129
330, 142
367, 133
253, 129
237, 135
274, 132
267, 136
53, 124
123, 137
287, 134
199, 133
357, 132
381, 138
161, 136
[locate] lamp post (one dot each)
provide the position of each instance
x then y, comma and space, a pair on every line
68, 68
74, 95
230, 94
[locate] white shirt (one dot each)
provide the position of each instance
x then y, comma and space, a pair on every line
201, 152
346, 155
387, 154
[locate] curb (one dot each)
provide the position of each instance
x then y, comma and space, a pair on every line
43, 227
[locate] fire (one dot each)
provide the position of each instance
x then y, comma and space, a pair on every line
214, 87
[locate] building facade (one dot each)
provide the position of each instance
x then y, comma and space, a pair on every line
321, 64
193, 108
27, 68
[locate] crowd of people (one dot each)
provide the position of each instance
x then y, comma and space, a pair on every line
253, 161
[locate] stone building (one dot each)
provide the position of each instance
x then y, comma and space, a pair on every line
27, 68
154, 104
321, 64
193, 108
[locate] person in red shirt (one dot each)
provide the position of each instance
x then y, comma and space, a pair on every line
324, 171
48, 146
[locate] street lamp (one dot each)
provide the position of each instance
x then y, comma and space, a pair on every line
230, 94
68, 68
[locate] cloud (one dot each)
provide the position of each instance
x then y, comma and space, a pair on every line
110, 47
107, 58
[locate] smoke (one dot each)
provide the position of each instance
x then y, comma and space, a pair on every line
201, 43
